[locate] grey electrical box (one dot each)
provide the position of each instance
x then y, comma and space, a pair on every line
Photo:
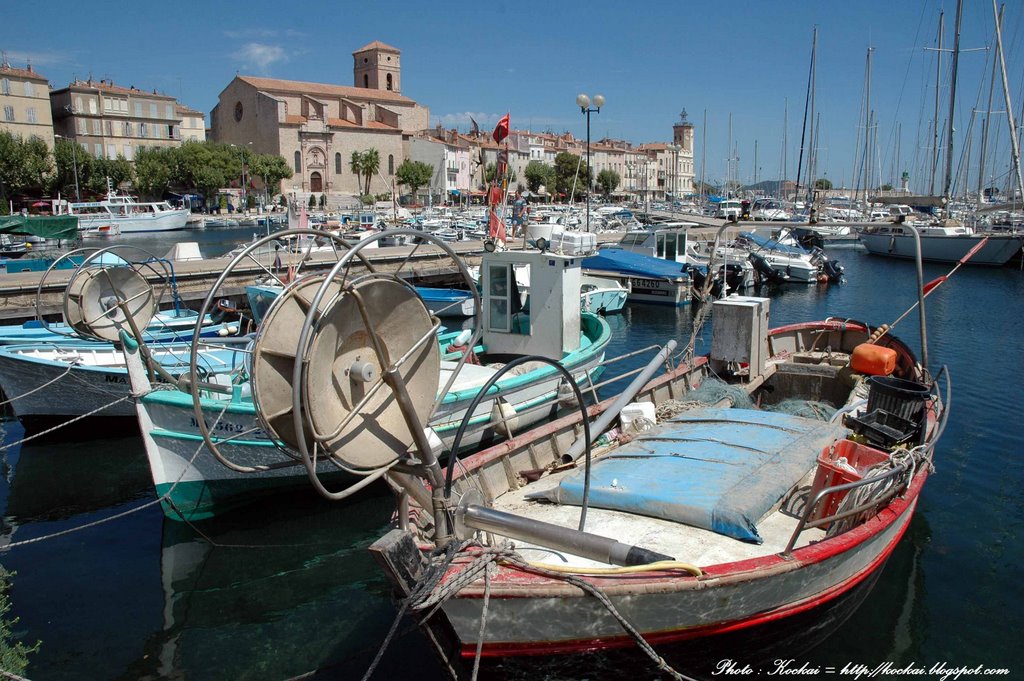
739, 333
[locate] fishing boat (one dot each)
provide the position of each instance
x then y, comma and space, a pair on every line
123, 214
602, 295
939, 243
92, 378
215, 444
734, 523
168, 325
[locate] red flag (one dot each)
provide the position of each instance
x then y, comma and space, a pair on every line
501, 129
496, 227
970, 253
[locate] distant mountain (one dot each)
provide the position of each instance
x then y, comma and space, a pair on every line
768, 187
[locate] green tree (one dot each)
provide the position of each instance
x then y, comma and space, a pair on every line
608, 181
271, 169
539, 174
886, 187
13, 176
323, 201
371, 164
13, 653
38, 165
823, 183
66, 155
570, 170
117, 170
491, 170
152, 171
355, 164
414, 174
312, 202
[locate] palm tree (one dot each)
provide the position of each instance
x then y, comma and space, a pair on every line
356, 166
370, 165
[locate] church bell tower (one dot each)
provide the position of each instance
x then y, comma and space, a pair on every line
378, 67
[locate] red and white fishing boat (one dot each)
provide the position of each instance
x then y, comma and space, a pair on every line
718, 533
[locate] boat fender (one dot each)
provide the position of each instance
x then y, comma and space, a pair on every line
566, 396
503, 417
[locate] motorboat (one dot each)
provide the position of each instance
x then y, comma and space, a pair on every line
782, 263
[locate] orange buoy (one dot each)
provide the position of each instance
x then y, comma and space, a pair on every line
873, 360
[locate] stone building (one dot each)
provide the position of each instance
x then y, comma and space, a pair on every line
316, 126
193, 124
25, 103
109, 120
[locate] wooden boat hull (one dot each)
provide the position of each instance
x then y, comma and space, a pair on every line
758, 599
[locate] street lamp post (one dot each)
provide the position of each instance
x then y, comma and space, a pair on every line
674, 182
583, 101
74, 163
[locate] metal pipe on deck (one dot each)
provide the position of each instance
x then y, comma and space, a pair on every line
624, 398
470, 517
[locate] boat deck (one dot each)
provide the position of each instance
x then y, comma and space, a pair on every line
682, 542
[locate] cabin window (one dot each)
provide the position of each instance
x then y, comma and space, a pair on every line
670, 246
337, 164
499, 296
660, 252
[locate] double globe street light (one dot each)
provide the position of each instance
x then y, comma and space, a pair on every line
584, 101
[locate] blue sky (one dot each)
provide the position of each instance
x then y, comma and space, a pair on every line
649, 59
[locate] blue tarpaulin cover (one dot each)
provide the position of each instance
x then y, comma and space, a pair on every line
636, 264
717, 469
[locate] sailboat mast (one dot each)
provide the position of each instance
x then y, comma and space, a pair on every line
814, 127
785, 142
1014, 146
948, 175
988, 116
703, 159
938, 90
807, 103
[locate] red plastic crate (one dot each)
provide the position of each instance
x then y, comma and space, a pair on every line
861, 457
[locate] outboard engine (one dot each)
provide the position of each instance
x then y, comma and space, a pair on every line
768, 274
833, 270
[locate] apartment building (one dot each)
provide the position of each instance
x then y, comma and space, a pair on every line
25, 103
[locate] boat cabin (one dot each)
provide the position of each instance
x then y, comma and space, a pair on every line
668, 241
549, 323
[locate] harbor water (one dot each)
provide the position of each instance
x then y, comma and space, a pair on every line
286, 588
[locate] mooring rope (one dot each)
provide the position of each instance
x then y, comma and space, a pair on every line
65, 424
38, 388
425, 595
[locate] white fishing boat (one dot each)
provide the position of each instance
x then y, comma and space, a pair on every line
123, 214
218, 442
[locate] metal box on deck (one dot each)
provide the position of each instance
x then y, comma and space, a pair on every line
739, 333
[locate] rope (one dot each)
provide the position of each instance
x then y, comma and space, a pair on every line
72, 530
425, 596
67, 423
11, 675
71, 366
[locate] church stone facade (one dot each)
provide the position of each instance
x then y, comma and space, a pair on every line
317, 126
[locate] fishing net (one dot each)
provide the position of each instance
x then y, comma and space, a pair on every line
711, 392
808, 409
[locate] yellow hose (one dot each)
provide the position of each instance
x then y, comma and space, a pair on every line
632, 569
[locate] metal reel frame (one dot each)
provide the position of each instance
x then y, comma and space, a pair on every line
389, 375
91, 263
209, 303
42, 281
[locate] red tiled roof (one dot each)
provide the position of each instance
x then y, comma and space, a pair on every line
110, 88
378, 45
298, 87
21, 73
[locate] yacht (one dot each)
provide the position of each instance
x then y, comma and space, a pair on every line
122, 214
